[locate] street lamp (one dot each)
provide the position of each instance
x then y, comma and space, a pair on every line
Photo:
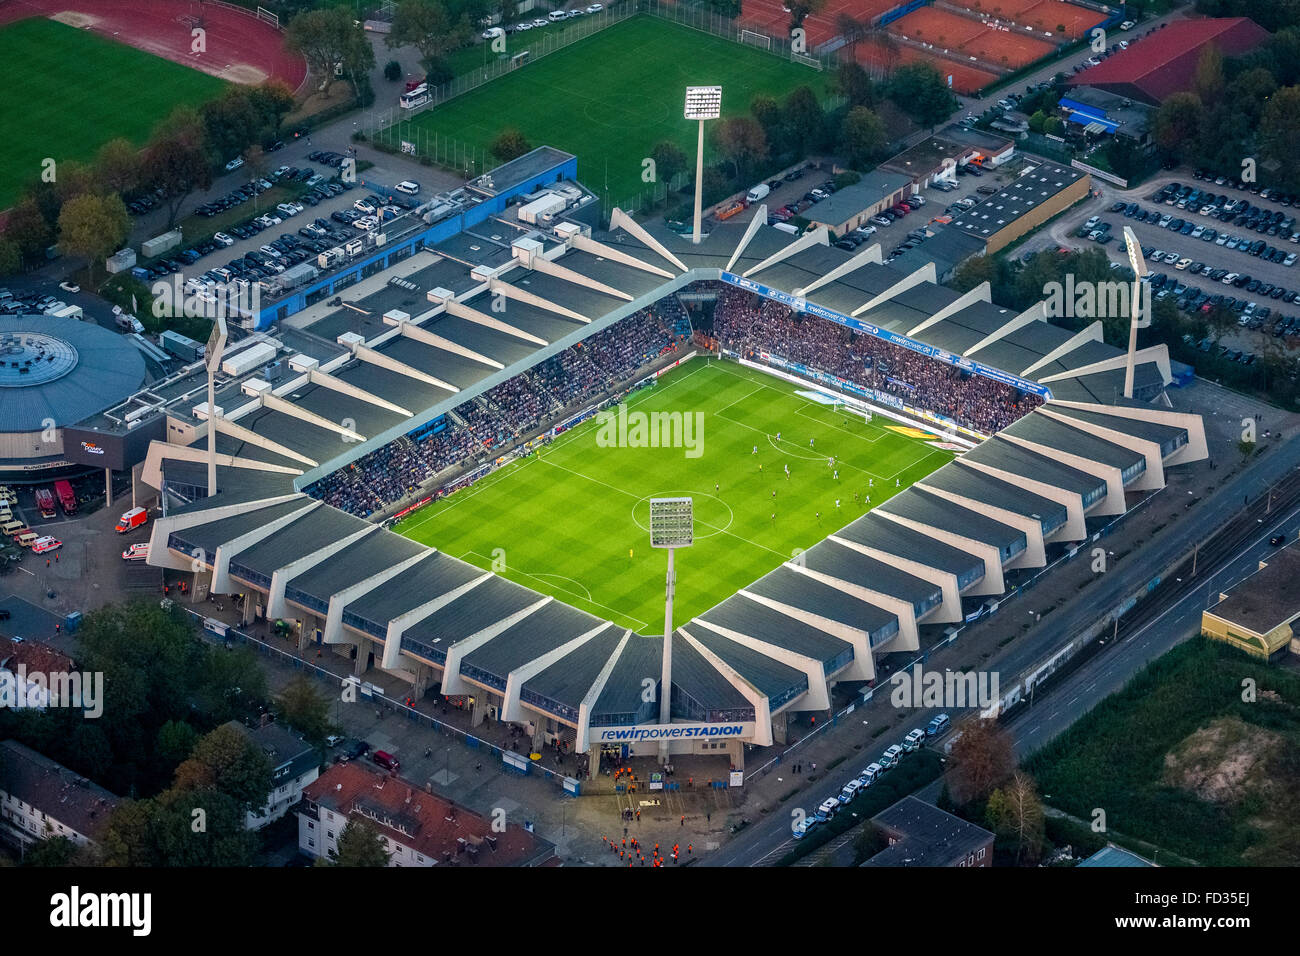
702, 103
672, 526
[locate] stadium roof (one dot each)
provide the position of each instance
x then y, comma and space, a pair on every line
78, 370
397, 355
1155, 67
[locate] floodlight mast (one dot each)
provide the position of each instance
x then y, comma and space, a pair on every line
671, 527
212, 360
1139, 263
702, 103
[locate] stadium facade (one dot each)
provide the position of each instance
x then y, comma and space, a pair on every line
457, 317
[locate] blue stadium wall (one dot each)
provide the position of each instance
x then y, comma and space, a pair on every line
391, 254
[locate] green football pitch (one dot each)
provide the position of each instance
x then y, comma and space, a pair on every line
609, 98
571, 521
69, 91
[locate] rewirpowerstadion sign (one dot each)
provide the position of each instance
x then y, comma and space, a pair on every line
902, 341
619, 735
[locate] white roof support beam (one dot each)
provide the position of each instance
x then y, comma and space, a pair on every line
620, 220
587, 244
981, 293
462, 311
565, 274
497, 287
819, 694
398, 625
276, 605
1152, 353
758, 221
924, 274
762, 708
1074, 529
433, 340
161, 450
991, 583
1034, 555
1196, 448
871, 254
221, 583
275, 403
1092, 333
512, 708
594, 691
335, 384
818, 237
1035, 313
366, 354
338, 601
452, 682
226, 427
1152, 477
160, 555
1113, 502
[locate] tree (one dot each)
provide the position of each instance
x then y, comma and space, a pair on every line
227, 761
306, 709
1037, 119
919, 90
1177, 123
175, 742
509, 144
323, 38
28, 229
51, 852
855, 84
193, 828
392, 71
981, 759
175, 160
1015, 813
117, 166
11, 257
1054, 126
1279, 132
741, 142
94, 227
273, 101
230, 123
862, 138
429, 27
800, 10
804, 121
358, 59
1208, 82
360, 845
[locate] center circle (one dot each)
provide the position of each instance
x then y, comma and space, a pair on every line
644, 525
34, 358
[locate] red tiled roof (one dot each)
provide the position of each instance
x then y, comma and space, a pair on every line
1164, 63
38, 657
429, 824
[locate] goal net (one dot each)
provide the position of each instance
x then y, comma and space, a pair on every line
754, 38
853, 411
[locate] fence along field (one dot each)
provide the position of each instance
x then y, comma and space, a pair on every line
608, 99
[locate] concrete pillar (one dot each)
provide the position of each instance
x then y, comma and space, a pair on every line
364, 648
593, 760
424, 679
736, 753
539, 735
478, 710
779, 728
250, 606
304, 635
200, 585
108, 485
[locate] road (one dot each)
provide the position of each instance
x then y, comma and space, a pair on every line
767, 839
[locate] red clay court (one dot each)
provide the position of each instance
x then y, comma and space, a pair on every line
958, 34
240, 47
1043, 15
768, 17
965, 79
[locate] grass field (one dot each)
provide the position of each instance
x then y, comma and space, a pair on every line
611, 97
68, 91
572, 520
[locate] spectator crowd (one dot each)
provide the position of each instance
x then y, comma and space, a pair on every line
507, 413
747, 323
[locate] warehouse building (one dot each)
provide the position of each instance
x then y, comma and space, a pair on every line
1258, 614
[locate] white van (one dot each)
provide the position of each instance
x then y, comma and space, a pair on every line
758, 192
408, 186
889, 758
828, 809
555, 16
914, 740
850, 791
786, 227
869, 775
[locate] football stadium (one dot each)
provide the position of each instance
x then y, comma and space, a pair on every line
440, 466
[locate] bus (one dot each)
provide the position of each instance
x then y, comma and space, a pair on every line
416, 97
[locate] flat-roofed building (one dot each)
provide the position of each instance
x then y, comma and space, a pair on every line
1258, 613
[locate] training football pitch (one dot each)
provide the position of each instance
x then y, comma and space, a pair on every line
69, 91
609, 98
572, 520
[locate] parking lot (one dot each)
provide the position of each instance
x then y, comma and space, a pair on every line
1215, 244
